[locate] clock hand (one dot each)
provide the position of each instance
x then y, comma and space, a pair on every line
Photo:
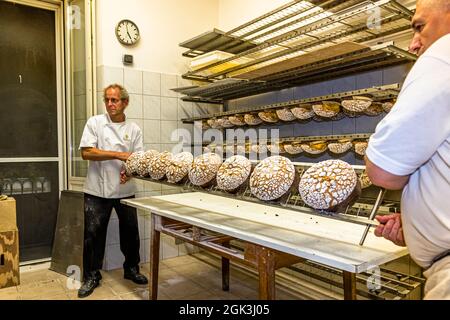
128, 32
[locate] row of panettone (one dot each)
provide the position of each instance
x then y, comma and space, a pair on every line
319, 110
296, 147
328, 185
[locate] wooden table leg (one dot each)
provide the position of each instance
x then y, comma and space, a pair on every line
266, 269
154, 257
349, 285
226, 270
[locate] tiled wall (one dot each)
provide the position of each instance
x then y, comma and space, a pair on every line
363, 124
157, 110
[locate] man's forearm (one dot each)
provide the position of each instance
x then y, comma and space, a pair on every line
94, 154
382, 178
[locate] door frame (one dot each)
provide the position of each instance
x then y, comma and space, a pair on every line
57, 6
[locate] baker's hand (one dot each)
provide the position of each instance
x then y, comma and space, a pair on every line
123, 156
123, 177
391, 229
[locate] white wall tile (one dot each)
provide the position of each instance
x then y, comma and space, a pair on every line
152, 107
139, 122
152, 186
133, 80
141, 226
134, 109
151, 83
171, 147
110, 75
167, 129
200, 109
152, 131
169, 108
168, 82
152, 146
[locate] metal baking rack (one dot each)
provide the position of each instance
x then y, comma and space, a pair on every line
379, 93
300, 28
362, 212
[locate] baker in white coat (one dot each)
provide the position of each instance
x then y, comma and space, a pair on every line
411, 150
108, 140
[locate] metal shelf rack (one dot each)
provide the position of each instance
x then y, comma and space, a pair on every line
381, 93
288, 34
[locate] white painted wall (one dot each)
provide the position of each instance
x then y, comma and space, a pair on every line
163, 25
233, 13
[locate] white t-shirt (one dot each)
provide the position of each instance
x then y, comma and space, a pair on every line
414, 139
103, 178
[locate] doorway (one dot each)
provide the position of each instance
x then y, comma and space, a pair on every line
31, 108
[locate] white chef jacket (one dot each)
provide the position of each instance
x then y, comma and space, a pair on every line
414, 139
103, 178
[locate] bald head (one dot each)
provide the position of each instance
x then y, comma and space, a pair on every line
435, 4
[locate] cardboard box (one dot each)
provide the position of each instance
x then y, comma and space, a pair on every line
8, 213
9, 257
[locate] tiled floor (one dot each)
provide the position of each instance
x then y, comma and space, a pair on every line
196, 277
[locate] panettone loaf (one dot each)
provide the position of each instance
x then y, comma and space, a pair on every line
158, 165
315, 147
330, 185
327, 109
252, 119
204, 169
179, 167
144, 162
132, 163
340, 146
357, 104
233, 173
303, 111
269, 116
293, 147
285, 114
360, 147
272, 178
237, 120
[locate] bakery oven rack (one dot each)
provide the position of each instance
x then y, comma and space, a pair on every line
371, 202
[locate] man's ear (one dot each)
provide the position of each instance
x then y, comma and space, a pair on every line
126, 102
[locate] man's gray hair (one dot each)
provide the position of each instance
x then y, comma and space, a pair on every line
123, 92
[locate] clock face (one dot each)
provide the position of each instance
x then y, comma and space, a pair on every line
127, 32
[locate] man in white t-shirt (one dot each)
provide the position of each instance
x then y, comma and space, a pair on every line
107, 141
411, 150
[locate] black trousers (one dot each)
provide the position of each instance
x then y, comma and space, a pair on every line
97, 212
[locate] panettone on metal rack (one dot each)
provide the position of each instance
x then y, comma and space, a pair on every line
179, 167
237, 120
144, 162
315, 147
224, 123
213, 123
330, 185
357, 104
365, 180
387, 106
293, 147
158, 165
327, 109
269, 116
374, 109
252, 119
233, 173
340, 146
272, 178
285, 114
361, 147
132, 163
204, 169
303, 111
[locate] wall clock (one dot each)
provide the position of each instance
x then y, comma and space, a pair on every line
127, 32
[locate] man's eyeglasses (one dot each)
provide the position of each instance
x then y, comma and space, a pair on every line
112, 100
